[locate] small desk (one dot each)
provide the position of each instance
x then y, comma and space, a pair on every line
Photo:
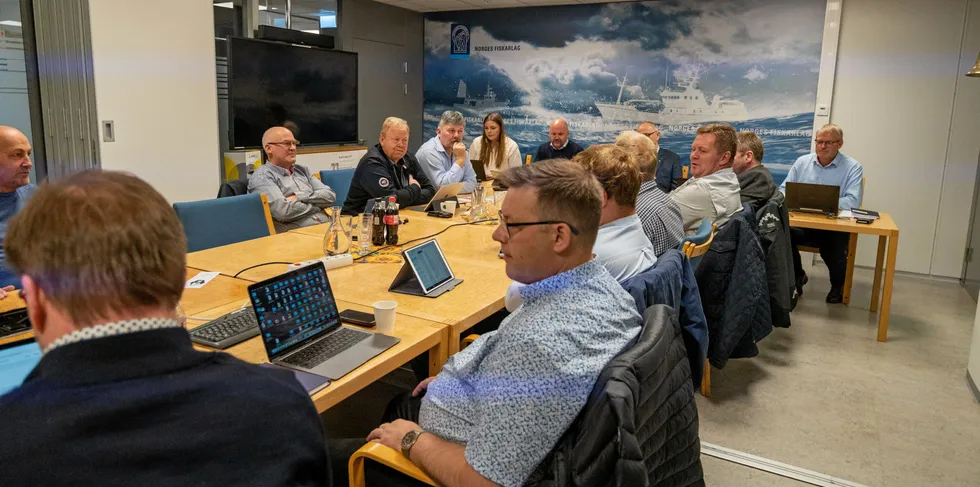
887, 232
417, 336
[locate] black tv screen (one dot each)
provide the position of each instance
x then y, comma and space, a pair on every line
311, 91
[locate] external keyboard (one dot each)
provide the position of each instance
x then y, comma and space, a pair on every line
326, 348
14, 322
228, 330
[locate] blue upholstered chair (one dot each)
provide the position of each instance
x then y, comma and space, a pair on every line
339, 181
223, 221
696, 245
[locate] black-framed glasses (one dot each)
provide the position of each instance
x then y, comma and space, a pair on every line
286, 143
825, 142
508, 226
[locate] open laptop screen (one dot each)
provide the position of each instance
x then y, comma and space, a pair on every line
294, 308
429, 265
17, 360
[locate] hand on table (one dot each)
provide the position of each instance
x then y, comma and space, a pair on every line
10, 289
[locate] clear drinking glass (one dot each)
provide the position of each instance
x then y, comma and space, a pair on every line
364, 232
181, 316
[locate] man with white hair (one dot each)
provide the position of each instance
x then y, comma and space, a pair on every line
827, 166
660, 216
389, 170
559, 146
296, 198
444, 157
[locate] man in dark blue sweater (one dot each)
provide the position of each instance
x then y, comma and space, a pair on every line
120, 397
15, 190
559, 146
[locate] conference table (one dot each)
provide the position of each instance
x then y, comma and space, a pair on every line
887, 232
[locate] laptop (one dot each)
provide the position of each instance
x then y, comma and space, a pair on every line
822, 199
300, 326
17, 360
425, 272
481, 172
445, 192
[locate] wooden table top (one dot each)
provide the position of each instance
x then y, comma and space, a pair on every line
220, 291
884, 225
284, 247
417, 335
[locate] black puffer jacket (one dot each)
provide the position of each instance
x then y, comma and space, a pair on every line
734, 290
640, 426
775, 240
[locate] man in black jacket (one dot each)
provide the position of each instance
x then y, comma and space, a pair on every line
755, 182
669, 166
120, 396
387, 169
558, 146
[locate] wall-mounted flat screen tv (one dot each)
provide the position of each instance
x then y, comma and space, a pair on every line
311, 91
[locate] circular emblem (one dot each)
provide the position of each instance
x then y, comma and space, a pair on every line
383, 182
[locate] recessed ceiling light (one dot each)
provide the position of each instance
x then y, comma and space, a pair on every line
10, 22
311, 31
225, 5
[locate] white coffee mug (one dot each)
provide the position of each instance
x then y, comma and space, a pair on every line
384, 315
448, 207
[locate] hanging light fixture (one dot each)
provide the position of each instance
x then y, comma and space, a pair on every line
974, 72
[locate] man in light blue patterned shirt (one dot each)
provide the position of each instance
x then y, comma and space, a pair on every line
827, 166
498, 407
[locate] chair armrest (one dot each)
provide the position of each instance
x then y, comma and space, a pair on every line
468, 340
377, 452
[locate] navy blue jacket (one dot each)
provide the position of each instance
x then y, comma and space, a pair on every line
377, 177
546, 151
671, 281
147, 409
669, 169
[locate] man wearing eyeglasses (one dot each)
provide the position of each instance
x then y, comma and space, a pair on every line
296, 198
669, 167
498, 407
828, 165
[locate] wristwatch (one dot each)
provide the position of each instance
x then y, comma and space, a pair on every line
408, 441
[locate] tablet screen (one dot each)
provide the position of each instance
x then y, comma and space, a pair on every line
429, 265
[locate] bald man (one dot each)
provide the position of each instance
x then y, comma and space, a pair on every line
559, 146
15, 190
669, 166
296, 198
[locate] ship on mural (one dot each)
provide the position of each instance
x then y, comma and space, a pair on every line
684, 103
489, 99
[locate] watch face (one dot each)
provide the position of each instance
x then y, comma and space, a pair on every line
409, 439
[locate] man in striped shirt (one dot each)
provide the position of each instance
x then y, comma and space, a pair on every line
659, 215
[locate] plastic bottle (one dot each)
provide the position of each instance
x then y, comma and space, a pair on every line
391, 222
377, 223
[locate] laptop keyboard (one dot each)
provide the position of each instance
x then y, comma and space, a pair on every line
14, 322
326, 348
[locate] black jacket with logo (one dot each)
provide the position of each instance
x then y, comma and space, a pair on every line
376, 176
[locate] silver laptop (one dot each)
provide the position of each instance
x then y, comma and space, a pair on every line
447, 191
300, 325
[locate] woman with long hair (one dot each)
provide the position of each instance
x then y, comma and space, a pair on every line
497, 151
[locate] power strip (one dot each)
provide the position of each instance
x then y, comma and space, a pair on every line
329, 262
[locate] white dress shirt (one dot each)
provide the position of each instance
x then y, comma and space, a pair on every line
715, 197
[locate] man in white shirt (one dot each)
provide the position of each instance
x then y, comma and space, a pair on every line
444, 158
712, 192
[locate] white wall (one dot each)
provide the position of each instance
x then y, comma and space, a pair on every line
912, 119
974, 365
155, 78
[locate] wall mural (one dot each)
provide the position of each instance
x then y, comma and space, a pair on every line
607, 67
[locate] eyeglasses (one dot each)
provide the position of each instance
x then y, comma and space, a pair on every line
508, 226
286, 143
826, 142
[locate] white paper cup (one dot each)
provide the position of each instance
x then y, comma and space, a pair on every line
448, 207
384, 315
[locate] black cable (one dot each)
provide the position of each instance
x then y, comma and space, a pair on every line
440, 232
379, 249
259, 265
